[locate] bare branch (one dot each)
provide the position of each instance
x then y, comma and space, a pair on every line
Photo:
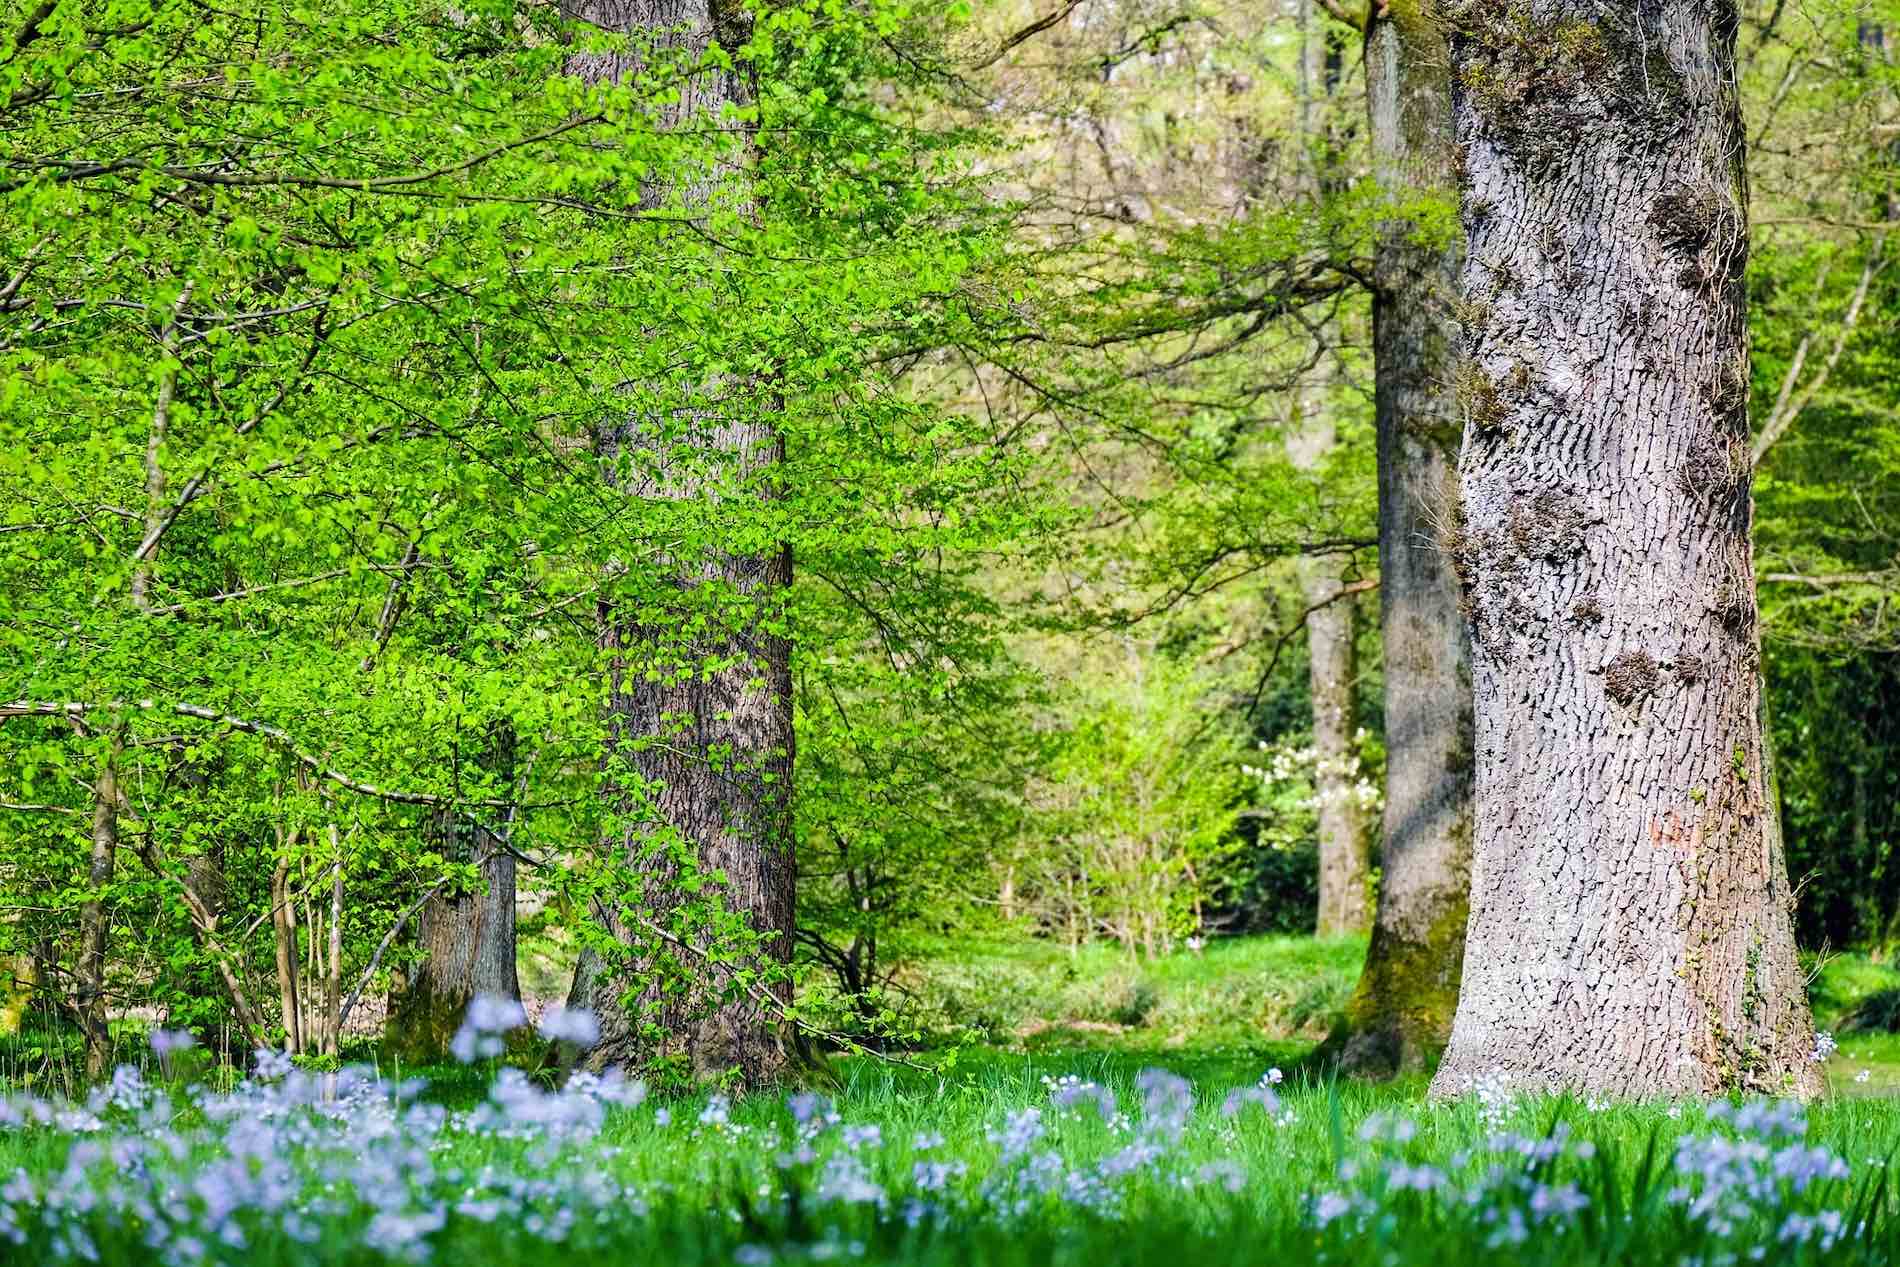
263, 730
1286, 635
1788, 408
1034, 29
247, 592
199, 176
1822, 581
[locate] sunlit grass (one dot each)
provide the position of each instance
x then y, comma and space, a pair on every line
984, 1157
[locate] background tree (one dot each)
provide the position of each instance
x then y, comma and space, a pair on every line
1400, 1015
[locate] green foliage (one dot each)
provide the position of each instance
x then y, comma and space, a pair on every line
1136, 816
1237, 994
315, 323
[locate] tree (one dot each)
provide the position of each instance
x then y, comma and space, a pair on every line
466, 932
240, 362
1630, 927
1331, 636
1399, 1016
700, 697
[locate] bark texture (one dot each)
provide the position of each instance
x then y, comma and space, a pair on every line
1630, 926
701, 708
468, 947
1399, 1017
1332, 663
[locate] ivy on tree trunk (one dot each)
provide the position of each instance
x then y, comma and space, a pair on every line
700, 698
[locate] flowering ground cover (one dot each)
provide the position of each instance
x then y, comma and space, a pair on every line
1008, 1159
1069, 1137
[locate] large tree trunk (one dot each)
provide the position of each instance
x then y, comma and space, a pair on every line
700, 720
1630, 911
1399, 1017
467, 936
1332, 665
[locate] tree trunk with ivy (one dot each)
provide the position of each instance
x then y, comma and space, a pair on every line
1630, 928
700, 701
1399, 1017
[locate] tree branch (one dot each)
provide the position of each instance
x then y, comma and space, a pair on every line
1789, 407
1029, 32
263, 730
1286, 635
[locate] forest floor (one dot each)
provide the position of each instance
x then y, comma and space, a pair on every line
1247, 1003
1086, 1110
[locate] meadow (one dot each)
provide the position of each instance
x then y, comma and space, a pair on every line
1173, 1134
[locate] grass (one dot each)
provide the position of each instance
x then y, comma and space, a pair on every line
1341, 1173
1255, 994
691, 1187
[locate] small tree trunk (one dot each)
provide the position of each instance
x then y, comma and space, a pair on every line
1331, 657
284, 934
333, 978
203, 887
1333, 668
1630, 924
716, 742
468, 948
1399, 1017
95, 919
144, 561
312, 997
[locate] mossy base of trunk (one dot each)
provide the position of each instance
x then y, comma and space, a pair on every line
421, 1027
1398, 1020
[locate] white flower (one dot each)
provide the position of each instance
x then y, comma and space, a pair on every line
570, 1025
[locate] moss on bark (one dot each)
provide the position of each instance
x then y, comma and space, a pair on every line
1398, 1019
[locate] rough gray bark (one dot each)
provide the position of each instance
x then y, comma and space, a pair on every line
1630, 924
723, 771
1399, 1017
1332, 665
